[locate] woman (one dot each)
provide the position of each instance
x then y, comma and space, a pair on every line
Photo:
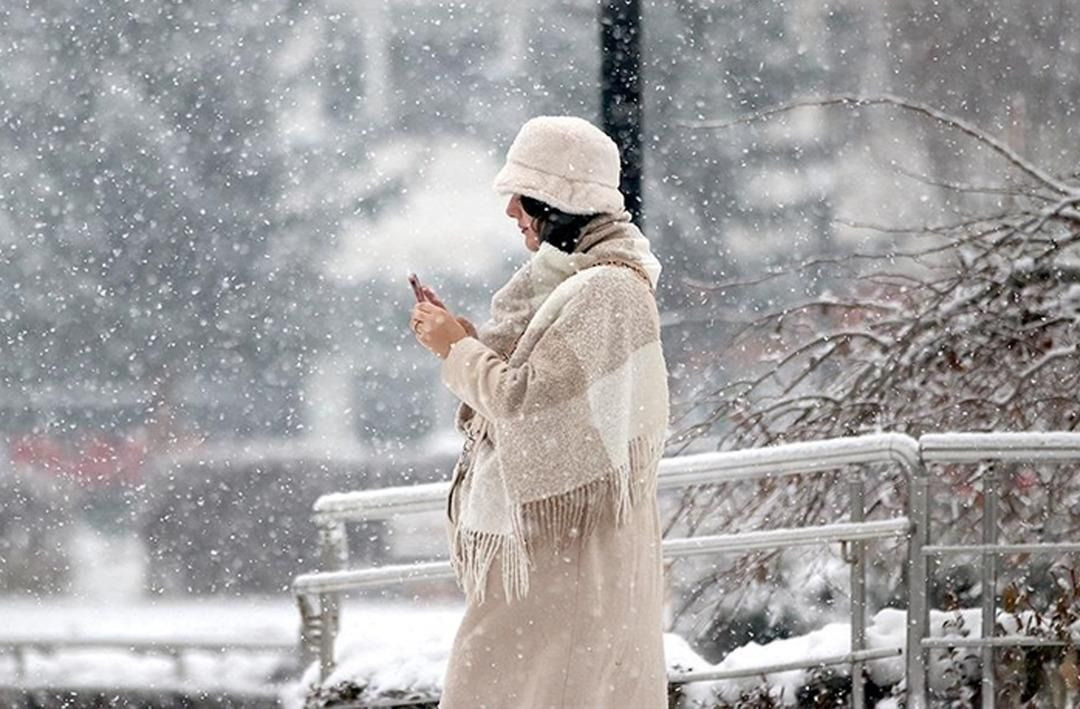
564, 405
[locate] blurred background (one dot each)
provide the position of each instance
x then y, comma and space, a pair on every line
208, 211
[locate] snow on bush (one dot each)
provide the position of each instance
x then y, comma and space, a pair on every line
402, 654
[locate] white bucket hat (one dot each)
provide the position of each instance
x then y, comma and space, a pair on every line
565, 162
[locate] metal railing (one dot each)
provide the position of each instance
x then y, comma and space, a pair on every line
1007, 448
318, 594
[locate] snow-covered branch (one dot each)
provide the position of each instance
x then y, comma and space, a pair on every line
976, 329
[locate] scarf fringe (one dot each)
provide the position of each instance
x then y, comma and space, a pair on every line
559, 520
472, 554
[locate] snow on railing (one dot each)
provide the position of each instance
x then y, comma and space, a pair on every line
1005, 446
680, 471
337, 581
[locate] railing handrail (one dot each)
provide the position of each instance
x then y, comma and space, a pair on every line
687, 677
389, 574
380, 503
144, 644
679, 471
789, 459
1010, 446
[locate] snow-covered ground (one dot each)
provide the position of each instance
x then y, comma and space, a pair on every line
406, 654
409, 654
107, 604
391, 647
393, 628
168, 622
397, 647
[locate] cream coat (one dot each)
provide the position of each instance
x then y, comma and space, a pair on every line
589, 635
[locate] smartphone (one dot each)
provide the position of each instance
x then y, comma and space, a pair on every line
417, 290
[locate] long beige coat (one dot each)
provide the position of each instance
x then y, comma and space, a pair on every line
589, 634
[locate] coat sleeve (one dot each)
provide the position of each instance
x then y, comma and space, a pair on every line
557, 368
487, 383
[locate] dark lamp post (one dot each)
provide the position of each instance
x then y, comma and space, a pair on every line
620, 92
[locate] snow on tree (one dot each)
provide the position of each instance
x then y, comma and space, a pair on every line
966, 324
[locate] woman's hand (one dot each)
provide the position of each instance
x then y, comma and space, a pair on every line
436, 328
433, 298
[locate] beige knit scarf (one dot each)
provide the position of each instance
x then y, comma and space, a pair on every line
587, 433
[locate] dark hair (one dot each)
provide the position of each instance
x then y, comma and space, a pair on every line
554, 226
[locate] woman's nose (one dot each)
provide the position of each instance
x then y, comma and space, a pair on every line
511, 208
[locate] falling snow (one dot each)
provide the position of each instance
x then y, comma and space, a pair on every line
867, 215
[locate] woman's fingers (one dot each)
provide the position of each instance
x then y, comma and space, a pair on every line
425, 316
436, 328
432, 298
427, 310
430, 311
417, 319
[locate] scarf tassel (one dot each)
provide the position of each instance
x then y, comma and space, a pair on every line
472, 554
558, 520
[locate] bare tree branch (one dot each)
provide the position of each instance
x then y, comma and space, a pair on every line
974, 329
856, 101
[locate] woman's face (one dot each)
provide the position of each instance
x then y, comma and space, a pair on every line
515, 211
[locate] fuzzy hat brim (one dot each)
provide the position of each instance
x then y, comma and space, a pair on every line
570, 196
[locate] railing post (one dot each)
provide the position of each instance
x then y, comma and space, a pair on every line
989, 580
918, 621
177, 654
334, 556
857, 561
20, 662
309, 629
